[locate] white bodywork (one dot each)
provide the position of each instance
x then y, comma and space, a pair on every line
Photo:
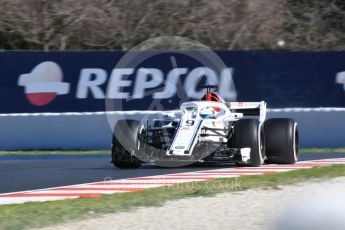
197, 117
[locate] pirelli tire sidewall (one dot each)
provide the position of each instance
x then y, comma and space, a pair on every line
248, 133
125, 142
282, 140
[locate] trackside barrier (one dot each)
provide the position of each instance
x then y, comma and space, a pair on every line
319, 127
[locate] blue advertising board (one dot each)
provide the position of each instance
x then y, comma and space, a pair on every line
33, 82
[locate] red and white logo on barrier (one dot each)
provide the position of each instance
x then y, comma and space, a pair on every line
43, 83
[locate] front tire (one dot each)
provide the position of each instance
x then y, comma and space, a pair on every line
281, 140
124, 144
249, 134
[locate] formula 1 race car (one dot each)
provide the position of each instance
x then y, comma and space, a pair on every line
207, 131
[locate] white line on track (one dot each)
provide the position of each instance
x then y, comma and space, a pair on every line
19, 200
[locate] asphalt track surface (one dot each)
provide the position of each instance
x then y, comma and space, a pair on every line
19, 173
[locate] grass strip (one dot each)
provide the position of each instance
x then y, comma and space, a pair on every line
39, 214
322, 150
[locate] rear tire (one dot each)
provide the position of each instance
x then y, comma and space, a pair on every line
249, 134
281, 136
124, 143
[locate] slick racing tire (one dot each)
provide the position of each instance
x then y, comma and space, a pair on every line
281, 137
249, 134
124, 143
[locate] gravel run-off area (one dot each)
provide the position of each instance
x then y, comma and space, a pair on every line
308, 205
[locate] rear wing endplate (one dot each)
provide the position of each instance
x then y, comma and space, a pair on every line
249, 108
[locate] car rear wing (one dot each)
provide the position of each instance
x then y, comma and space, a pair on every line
249, 108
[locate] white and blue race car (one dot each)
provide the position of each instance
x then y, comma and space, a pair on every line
207, 131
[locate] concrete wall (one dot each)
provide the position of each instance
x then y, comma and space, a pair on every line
318, 128
324, 127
